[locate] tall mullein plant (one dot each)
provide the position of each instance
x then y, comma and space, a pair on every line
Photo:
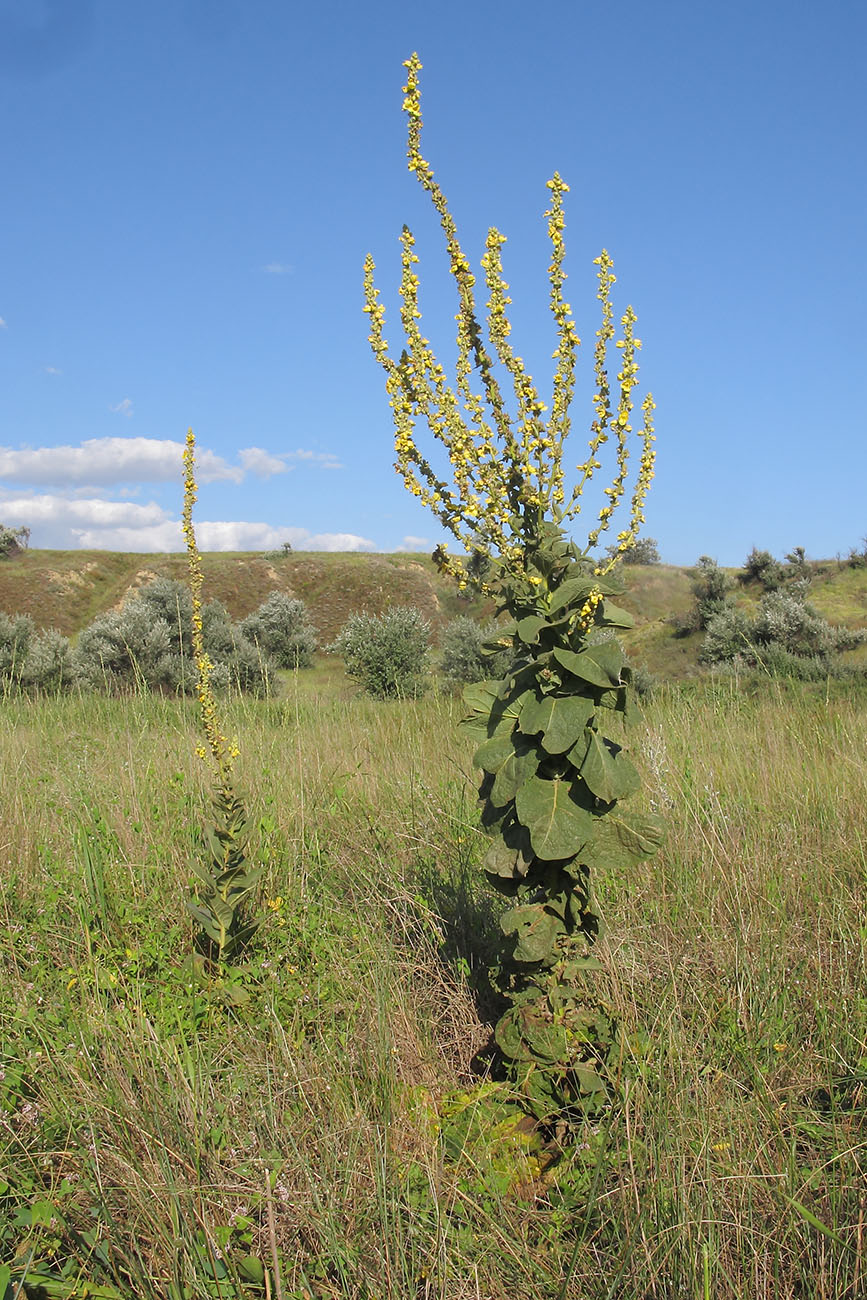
226, 879
552, 778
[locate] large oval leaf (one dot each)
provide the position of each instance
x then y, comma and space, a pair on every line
557, 823
560, 718
536, 931
598, 664
490, 715
605, 769
520, 764
623, 839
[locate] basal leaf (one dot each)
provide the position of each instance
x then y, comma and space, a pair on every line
557, 823
524, 1033
536, 931
491, 756
490, 715
507, 862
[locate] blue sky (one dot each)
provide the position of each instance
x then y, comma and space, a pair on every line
190, 188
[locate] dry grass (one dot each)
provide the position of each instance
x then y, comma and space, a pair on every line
185, 1136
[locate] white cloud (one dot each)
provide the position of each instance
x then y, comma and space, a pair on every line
63, 522
52, 370
256, 461
123, 408
416, 544
324, 459
3, 325
99, 461
278, 268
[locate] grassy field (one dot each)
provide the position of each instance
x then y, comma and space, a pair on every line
316, 1128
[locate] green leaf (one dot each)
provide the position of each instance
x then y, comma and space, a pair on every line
561, 719
574, 591
623, 839
599, 664
613, 616
525, 1033
530, 627
557, 823
520, 764
617, 698
506, 861
251, 1269
491, 756
604, 768
490, 715
536, 930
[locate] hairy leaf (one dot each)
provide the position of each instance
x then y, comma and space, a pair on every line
620, 839
605, 769
599, 664
561, 719
536, 930
557, 823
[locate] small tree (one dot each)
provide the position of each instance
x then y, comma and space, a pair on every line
386, 653
643, 550
13, 540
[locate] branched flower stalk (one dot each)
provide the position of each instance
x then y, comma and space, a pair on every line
552, 779
226, 879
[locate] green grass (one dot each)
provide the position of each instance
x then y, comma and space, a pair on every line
155, 1141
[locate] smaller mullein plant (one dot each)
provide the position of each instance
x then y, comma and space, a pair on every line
552, 775
227, 880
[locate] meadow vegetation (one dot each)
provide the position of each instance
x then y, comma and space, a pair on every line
162, 1137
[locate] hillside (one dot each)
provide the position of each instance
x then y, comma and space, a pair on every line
67, 589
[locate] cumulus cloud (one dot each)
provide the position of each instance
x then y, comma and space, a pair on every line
123, 408
410, 543
52, 370
278, 268
256, 461
65, 523
3, 325
122, 460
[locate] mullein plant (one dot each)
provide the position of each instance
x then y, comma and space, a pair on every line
552, 778
226, 879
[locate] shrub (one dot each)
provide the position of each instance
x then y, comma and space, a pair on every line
643, 550
760, 566
281, 627
149, 643
16, 631
786, 620
710, 587
468, 652
50, 665
386, 653
797, 564
129, 648
729, 636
